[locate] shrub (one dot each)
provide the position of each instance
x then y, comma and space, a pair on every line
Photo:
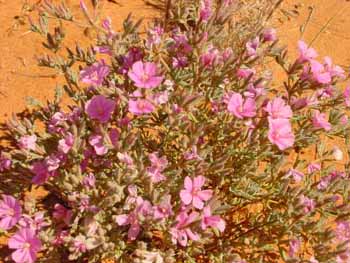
177, 147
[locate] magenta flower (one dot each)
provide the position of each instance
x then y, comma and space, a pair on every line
10, 212
63, 214
319, 121
245, 73
145, 75
164, 209
193, 192
41, 172
205, 11
182, 231
313, 167
65, 144
210, 58
95, 74
269, 34
100, 108
305, 53
140, 106
157, 167
280, 133
89, 181
278, 109
28, 142
241, 108
26, 244
209, 220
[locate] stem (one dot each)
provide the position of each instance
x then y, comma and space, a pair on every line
167, 13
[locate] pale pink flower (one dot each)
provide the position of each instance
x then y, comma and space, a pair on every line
63, 214
28, 142
209, 220
126, 158
89, 181
100, 108
296, 175
10, 212
343, 120
342, 231
313, 167
164, 209
66, 144
95, 74
319, 121
280, 133
97, 142
160, 97
26, 245
344, 257
278, 109
140, 106
307, 203
294, 246
241, 108
157, 167
132, 195
145, 75
305, 53
346, 95
36, 223
192, 154
80, 244
334, 70
319, 73
192, 192
182, 231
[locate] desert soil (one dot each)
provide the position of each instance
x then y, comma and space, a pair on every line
326, 24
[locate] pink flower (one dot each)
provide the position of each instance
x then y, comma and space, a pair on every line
319, 73
278, 109
157, 167
27, 245
126, 158
334, 70
10, 212
246, 73
140, 106
319, 121
346, 95
205, 11
89, 181
164, 209
28, 142
100, 108
97, 142
142, 210
36, 223
193, 193
65, 144
182, 231
294, 246
269, 34
252, 47
145, 75
62, 214
208, 220
344, 257
241, 108
95, 74
305, 53
280, 133
192, 154
308, 204
5, 163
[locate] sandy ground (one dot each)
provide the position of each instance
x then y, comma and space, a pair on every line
328, 28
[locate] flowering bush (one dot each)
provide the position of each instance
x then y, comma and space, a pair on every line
177, 147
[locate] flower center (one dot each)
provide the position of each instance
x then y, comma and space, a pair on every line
11, 212
26, 245
145, 77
